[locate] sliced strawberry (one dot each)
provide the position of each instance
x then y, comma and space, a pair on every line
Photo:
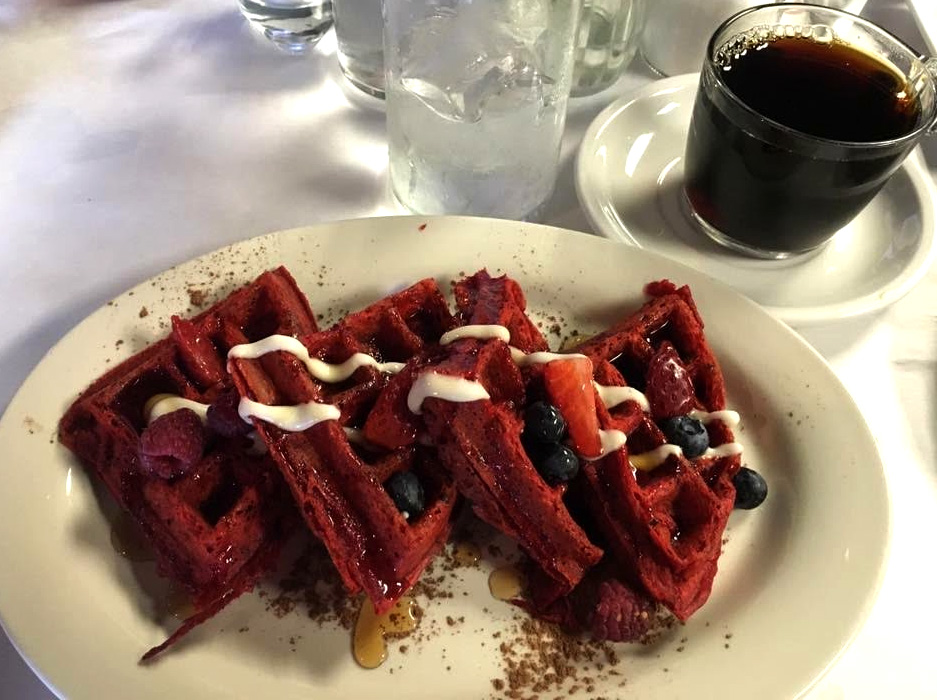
569, 385
668, 386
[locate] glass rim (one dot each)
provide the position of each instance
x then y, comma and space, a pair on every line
926, 122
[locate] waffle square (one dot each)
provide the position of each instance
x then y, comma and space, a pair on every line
338, 485
217, 528
479, 442
664, 524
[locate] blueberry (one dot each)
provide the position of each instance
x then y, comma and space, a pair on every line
407, 493
544, 423
750, 489
687, 432
558, 464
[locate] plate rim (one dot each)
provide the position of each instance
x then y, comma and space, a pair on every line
857, 619
588, 187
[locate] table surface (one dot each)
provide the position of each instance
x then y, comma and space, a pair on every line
136, 134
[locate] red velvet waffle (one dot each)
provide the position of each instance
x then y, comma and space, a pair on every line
219, 526
664, 525
338, 487
479, 442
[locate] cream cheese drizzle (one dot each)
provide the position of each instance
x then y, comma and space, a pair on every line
293, 419
730, 418
476, 332
613, 396
611, 440
430, 384
523, 359
496, 332
161, 404
321, 370
443, 386
646, 461
290, 418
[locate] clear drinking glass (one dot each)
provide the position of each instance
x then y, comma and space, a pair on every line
359, 31
476, 102
292, 25
607, 41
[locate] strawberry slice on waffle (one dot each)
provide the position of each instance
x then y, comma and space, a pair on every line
341, 487
569, 385
662, 514
216, 523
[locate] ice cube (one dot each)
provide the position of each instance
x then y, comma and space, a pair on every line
476, 59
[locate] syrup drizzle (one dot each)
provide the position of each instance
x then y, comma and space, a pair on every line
506, 583
371, 630
466, 554
128, 541
176, 603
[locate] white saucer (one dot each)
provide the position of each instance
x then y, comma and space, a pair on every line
629, 177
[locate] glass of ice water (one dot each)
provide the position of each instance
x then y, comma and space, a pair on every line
359, 33
292, 25
476, 102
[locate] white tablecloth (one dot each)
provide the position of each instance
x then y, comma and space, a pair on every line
135, 134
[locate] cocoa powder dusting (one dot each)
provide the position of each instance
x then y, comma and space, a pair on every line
313, 584
538, 658
197, 297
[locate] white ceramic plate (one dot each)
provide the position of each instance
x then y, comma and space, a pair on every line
796, 581
629, 177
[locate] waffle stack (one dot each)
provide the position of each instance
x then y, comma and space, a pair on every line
406, 387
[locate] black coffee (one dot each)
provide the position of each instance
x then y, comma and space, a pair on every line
829, 90
772, 189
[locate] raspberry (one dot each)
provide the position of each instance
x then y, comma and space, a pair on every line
172, 444
223, 416
668, 386
620, 614
660, 288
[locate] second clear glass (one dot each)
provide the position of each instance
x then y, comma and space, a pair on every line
359, 31
608, 39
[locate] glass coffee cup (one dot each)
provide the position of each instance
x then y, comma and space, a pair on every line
802, 114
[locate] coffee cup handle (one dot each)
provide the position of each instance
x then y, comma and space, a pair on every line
930, 66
